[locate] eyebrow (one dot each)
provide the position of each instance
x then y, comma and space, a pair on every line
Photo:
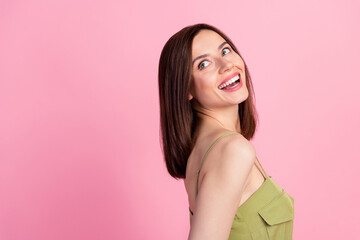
205, 55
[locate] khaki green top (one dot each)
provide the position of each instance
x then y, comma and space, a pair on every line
267, 214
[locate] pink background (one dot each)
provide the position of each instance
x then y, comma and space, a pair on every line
79, 125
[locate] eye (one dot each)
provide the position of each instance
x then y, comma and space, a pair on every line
225, 51
203, 64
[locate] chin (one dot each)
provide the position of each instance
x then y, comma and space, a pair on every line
243, 97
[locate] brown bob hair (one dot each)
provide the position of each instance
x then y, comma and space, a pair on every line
177, 116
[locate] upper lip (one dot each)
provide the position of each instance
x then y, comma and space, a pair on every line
228, 78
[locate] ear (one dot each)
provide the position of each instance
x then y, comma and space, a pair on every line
190, 96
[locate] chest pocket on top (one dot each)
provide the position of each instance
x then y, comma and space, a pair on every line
278, 215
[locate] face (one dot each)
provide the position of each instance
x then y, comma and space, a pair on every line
218, 72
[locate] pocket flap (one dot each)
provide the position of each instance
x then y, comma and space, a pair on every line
279, 210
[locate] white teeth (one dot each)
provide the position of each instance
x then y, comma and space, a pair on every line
229, 82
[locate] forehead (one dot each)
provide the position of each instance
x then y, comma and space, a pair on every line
206, 41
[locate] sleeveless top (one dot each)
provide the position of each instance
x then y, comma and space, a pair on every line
267, 215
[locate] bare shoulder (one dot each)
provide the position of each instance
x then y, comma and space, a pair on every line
230, 161
221, 184
229, 150
236, 144
234, 155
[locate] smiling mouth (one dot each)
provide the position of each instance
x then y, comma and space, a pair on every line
231, 83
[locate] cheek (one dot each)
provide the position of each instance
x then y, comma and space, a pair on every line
240, 61
204, 88
202, 81
200, 86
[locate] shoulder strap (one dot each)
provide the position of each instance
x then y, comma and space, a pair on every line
262, 168
202, 160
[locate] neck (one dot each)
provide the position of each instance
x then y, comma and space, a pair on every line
227, 118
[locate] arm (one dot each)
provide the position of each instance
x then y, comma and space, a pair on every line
222, 185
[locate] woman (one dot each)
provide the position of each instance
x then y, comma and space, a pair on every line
207, 113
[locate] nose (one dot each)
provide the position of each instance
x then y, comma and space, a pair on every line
225, 65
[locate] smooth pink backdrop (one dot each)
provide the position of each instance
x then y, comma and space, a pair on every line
79, 127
